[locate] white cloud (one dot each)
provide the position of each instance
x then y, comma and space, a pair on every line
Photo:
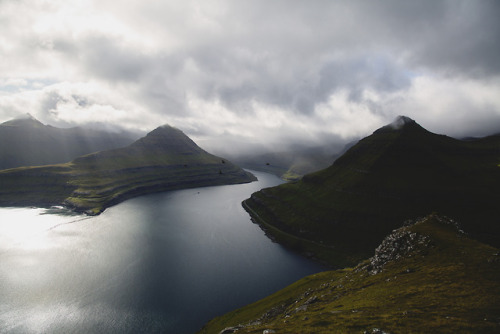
267, 73
453, 106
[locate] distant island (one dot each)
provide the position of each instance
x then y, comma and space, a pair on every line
165, 159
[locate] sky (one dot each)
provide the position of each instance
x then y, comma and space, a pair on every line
235, 75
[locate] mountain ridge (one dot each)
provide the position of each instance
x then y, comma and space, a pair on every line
401, 123
26, 120
165, 159
25, 141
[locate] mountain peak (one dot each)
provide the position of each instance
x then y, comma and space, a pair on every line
167, 137
26, 120
29, 116
164, 133
401, 121
399, 124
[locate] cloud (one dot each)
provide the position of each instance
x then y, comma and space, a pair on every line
453, 106
279, 72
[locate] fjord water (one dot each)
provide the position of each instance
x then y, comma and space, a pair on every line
162, 263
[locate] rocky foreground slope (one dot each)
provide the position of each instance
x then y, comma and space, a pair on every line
165, 159
425, 277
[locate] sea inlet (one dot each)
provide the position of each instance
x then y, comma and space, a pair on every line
161, 263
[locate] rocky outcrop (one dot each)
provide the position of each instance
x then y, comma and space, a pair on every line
376, 331
402, 242
230, 330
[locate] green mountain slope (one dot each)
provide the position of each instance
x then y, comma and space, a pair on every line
165, 159
428, 277
400, 172
28, 142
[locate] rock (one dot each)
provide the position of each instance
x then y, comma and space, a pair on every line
275, 311
230, 330
404, 243
301, 308
312, 300
268, 331
376, 331
400, 243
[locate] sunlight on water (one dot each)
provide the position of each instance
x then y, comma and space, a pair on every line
27, 228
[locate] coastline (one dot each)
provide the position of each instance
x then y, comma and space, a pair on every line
327, 255
94, 201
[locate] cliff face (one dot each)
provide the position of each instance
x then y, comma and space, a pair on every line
165, 159
425, 277
399, 172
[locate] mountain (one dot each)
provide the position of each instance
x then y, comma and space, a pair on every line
400, 172
425, 277
26, 141
165, 159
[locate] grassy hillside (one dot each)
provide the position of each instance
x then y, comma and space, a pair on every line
165, 159
428, 277
28, 142
401, 171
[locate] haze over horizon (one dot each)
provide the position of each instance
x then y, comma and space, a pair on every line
253, 73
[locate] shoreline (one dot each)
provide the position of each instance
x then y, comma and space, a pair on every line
96, 207
326, 255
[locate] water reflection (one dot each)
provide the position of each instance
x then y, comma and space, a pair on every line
26, 228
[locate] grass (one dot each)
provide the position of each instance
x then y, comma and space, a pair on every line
335, 257
450, 286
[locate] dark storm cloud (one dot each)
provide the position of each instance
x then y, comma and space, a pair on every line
458, 37
465, 40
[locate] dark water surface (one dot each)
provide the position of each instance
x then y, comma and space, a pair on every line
162, 263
